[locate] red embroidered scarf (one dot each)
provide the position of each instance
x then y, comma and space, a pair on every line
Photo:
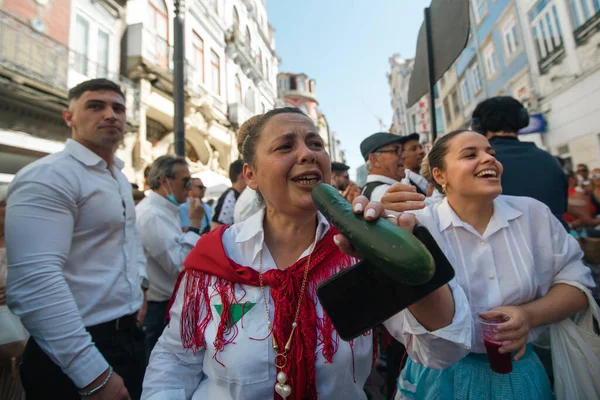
208, 260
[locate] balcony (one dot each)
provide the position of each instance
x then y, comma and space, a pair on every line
36, 60
239, 113
554, 57
243, 55
31, 56
586, 30
148, 48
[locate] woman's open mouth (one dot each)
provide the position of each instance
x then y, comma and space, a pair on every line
487, 174
310, 179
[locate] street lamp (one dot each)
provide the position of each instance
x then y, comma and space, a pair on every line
178, 78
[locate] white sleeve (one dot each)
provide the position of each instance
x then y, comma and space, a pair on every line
40, 216
165, 242
438, 349
173, 372
378, 192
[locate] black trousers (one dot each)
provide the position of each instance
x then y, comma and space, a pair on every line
122, 347
154, 323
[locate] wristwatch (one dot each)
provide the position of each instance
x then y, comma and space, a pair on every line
194, 229
144, 282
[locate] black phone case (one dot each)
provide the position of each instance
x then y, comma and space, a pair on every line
362, 296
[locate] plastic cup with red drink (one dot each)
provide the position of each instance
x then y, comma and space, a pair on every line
500, 363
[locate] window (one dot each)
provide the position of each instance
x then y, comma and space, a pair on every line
282, 83
447, 111
82, 31
215, 62
236, 19
103, 51
238, 90
301, 84
159, 20
583, 10
510, 38
260, 61
545, 29
198, 56
250, 100
475, 78
455, 103
479, 9
292, 83
248, 38
464, 92
489, 56
267, 69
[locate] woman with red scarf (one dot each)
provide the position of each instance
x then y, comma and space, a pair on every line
245, 321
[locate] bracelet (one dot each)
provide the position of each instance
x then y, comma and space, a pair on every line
99, 387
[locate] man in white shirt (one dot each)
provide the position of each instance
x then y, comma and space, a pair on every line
197, 190
413, 157
76, 268
225, 207
165, 245
384, 154
246, 205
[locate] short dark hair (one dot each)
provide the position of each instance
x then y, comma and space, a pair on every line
339, 167
94, 85
500, 113
235, 169
163, 166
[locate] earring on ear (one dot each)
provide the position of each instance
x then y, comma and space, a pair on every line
444, 188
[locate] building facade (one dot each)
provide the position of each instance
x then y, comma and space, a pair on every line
48, 46
563, 45
298, 90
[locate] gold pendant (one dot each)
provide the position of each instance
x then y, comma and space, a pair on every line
280, 387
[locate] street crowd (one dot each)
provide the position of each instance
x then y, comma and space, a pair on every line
112, 292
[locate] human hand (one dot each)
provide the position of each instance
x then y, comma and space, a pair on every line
113, 390
371, 211
513, 333
196, 212
351, 192
401, 197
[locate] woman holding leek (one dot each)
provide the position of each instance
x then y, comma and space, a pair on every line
245, 321
513, 259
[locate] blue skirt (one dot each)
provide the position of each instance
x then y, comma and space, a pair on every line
472, 379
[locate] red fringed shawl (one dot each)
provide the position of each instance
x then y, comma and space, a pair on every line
208, 260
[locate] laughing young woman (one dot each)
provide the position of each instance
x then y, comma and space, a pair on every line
511, 256
245, 320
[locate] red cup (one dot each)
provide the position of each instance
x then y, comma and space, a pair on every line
500, 363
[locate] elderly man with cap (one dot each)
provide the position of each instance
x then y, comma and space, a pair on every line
340, 179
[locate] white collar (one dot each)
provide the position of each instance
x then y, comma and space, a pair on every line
88, 157
503, 213
252, 229
159, 200
380, 178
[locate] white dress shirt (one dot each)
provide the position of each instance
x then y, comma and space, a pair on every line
175, 373
165, 245
246, 205
380, 190
74, 254
417, 180
522, 252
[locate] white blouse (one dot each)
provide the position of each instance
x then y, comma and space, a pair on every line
175, 373
522, 253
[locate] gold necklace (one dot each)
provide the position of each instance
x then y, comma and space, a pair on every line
281, 387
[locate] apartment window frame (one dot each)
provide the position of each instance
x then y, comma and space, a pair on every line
447, 111
103, 63
465, 94
198, 50
491, 60
475, 75
238, 90
510, 38
215, 63
480, 10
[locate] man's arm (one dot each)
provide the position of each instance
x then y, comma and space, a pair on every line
41, 213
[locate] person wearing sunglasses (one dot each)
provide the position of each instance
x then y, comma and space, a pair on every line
165, 245
197, 191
